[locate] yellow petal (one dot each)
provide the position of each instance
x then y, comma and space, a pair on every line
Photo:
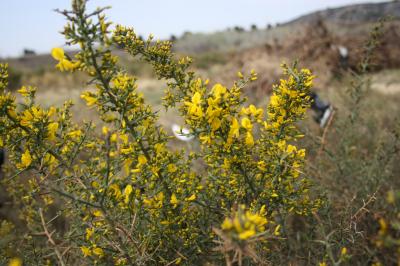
57, 53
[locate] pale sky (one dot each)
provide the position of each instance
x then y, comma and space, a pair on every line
33, 24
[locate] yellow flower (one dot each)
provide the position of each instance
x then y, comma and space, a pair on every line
215, 124
247, 234
191, 198
218, 90
26, 160
114, 188
23, 91
98, 213
174, 200
98, 251
194, 107
196, 98
142, 160
343, 251
249, 139
89, 233
290, 149
227, 224
57, 53
383, 226
51, 130
86, 251
276, 231
246, 123
205, 139
90, 100
234, 130
26, 118
390, 197
75, 134
127, 192
172, 168
245, 224
49, 159
105, 130
124, 138
15, 262
63, 63
114, 137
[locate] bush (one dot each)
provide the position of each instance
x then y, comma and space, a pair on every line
123, 196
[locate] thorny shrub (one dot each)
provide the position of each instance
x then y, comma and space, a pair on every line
126, 196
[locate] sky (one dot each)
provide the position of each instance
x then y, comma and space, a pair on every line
33, 24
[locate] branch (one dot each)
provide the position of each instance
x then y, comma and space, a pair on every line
50, 239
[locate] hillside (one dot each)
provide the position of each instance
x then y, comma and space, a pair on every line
353, 14
219, 55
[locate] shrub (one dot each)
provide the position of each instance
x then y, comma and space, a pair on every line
123, 196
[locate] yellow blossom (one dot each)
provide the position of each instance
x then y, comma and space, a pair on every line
115, 190
172, 168
86, 251
75, 134
51, 130
113, 137
63, 62
127, 192
174, 200
343, 252
142, 160
89, 233
218, 90
390, 197
249, 139
247, 234
26, 160
191, 198
246, 123
98, 251
15, 262
98, 213
105, 130
276, 231
234, 129
23, 91
90, 100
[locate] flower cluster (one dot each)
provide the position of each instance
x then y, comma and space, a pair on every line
64, 64
244, 224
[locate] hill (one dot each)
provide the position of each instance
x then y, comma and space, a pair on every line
353, 14
313, 38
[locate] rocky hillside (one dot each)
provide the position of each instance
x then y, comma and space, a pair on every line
354, 14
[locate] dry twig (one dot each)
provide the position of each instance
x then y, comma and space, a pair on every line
50, 239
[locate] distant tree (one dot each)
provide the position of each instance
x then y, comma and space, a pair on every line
253, 27
269, 26
238, 29
173, 38
28, 52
